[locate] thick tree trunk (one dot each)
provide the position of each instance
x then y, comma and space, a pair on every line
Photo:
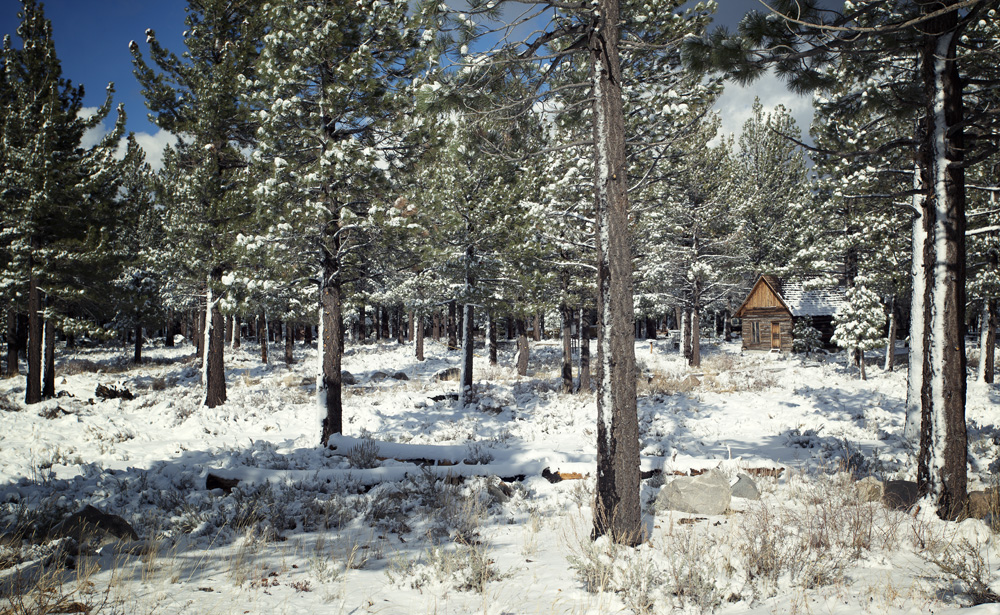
522, 348
384, 322
567, 348
237, 330
331, 353
12, 369
215, 368
137, 351
616, 509
491, 338
436, 326
48, 359
943, 444
419, 344
289, 343
511, 333
168, 338
584, 350
452, 325
465, 392
307, 335
650, 328
399, 325
229, 330
536, 330
410, 326
686, 334
33, 387
864, 375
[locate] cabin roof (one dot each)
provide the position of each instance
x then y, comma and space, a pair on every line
813, 302
797, 299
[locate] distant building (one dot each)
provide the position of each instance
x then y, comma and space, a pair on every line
771, 309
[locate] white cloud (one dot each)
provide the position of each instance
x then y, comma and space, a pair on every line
93, 136
736, 104
153, 145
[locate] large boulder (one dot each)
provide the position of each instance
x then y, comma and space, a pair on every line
900, 494
451, 373
347, 377
869, 489
707, 494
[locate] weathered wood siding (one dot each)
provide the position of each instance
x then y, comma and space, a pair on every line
764, 318
762, 298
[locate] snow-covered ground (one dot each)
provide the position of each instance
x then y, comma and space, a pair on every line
314, 530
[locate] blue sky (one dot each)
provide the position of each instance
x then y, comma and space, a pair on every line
92, 38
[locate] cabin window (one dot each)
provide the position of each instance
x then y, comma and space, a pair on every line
755, 332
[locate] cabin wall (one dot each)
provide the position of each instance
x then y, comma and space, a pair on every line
764, 318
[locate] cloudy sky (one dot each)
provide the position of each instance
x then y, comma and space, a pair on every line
92, 38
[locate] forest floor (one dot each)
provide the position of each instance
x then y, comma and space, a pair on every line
366, 529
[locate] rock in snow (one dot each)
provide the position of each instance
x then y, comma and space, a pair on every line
707, 494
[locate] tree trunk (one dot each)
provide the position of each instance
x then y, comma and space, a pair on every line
584, 350
168, 340
988, 341
695, 337
650, 328
307, 335
384, 322
12, 368
452, 325
522, 347
537, 328
137, 352
262, 336
942, 461
331, 353
215, 340
864, 376
567, 348
237, 330
890, 346
229, 330
436, 325
33, 387
616, 508
289, 343
419, 345
491, 338
410, 326
686, 334
511, 333
48, 359
399, 325
465, 373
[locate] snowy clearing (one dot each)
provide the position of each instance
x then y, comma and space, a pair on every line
428, 507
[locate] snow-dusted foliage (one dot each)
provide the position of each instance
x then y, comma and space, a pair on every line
860, 323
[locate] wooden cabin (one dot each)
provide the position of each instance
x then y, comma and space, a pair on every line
771, 309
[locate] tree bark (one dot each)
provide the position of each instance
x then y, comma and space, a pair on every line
331, 352
48, 360
215, 368
410, 326
419, 344
229, 330
436, 325
137, 352
522, 347
168, 340
988, 341
567, 347
584, 350
452, 325
289, 343
942, 460
262, 336
890, 346
465, 373
616, 509
237, 331
491, 338
399, 325
695, 338
33, 387
307, 335
537, 328
12, 368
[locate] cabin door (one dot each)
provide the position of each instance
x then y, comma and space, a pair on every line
776, 335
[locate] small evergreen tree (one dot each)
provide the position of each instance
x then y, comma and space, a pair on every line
860, 322
807, 338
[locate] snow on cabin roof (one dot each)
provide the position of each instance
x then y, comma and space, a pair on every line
815, 302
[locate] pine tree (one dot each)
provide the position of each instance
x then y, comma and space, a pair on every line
201, 95
51, 185
860, 322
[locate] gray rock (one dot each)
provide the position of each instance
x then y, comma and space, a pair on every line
92, 525
745, 488
378, 376
707, 494
400, 376
900, 494
347, 377
869, 489
451, 373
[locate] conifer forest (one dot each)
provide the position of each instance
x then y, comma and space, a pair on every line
459, 306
